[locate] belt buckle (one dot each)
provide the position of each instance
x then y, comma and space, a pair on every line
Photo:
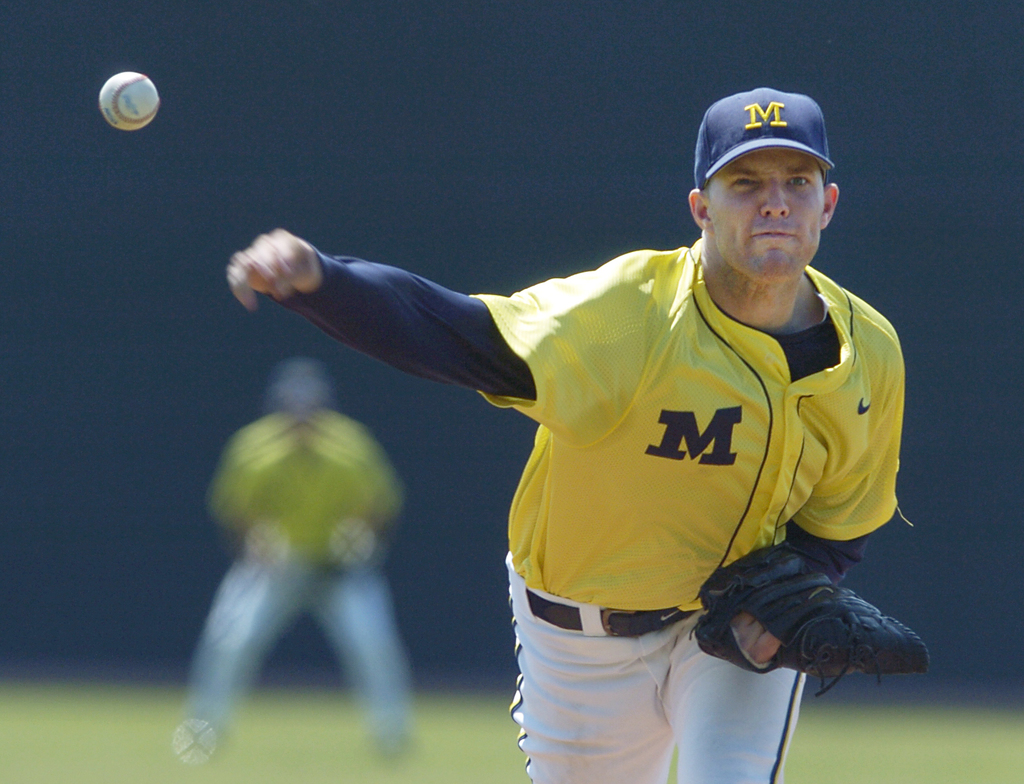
605, 624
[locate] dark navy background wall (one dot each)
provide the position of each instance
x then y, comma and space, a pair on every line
485, 145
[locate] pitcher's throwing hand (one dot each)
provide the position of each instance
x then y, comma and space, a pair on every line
277, 264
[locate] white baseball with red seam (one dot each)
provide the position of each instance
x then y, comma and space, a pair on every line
129, 101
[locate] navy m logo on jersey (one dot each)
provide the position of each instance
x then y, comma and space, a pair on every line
681, 426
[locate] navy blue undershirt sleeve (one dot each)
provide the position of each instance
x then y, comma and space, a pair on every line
414, 325
834, 558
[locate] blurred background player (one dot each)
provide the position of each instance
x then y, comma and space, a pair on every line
309, 498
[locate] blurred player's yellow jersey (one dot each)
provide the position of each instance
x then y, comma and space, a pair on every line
672, 439
304, 479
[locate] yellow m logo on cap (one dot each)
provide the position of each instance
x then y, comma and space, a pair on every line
772, 111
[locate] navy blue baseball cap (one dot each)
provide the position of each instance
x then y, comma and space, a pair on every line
753, 120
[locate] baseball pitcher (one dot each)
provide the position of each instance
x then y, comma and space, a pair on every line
718, 434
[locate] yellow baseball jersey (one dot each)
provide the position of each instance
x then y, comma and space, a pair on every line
671, 438
304, 479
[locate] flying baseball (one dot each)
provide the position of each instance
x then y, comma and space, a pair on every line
129, 101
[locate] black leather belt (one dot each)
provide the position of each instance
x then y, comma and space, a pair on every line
616, 623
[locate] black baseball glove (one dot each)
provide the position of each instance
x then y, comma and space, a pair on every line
825, 631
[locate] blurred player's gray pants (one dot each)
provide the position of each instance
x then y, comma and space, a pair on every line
255, 605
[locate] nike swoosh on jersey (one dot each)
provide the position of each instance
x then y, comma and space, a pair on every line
861, 408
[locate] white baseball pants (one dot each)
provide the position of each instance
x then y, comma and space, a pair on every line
254, 606
610, 710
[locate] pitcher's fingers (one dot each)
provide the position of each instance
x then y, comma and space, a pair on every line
238, 281
287, 250
271, 253
274, 258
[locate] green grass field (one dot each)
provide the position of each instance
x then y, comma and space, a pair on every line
113, 735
